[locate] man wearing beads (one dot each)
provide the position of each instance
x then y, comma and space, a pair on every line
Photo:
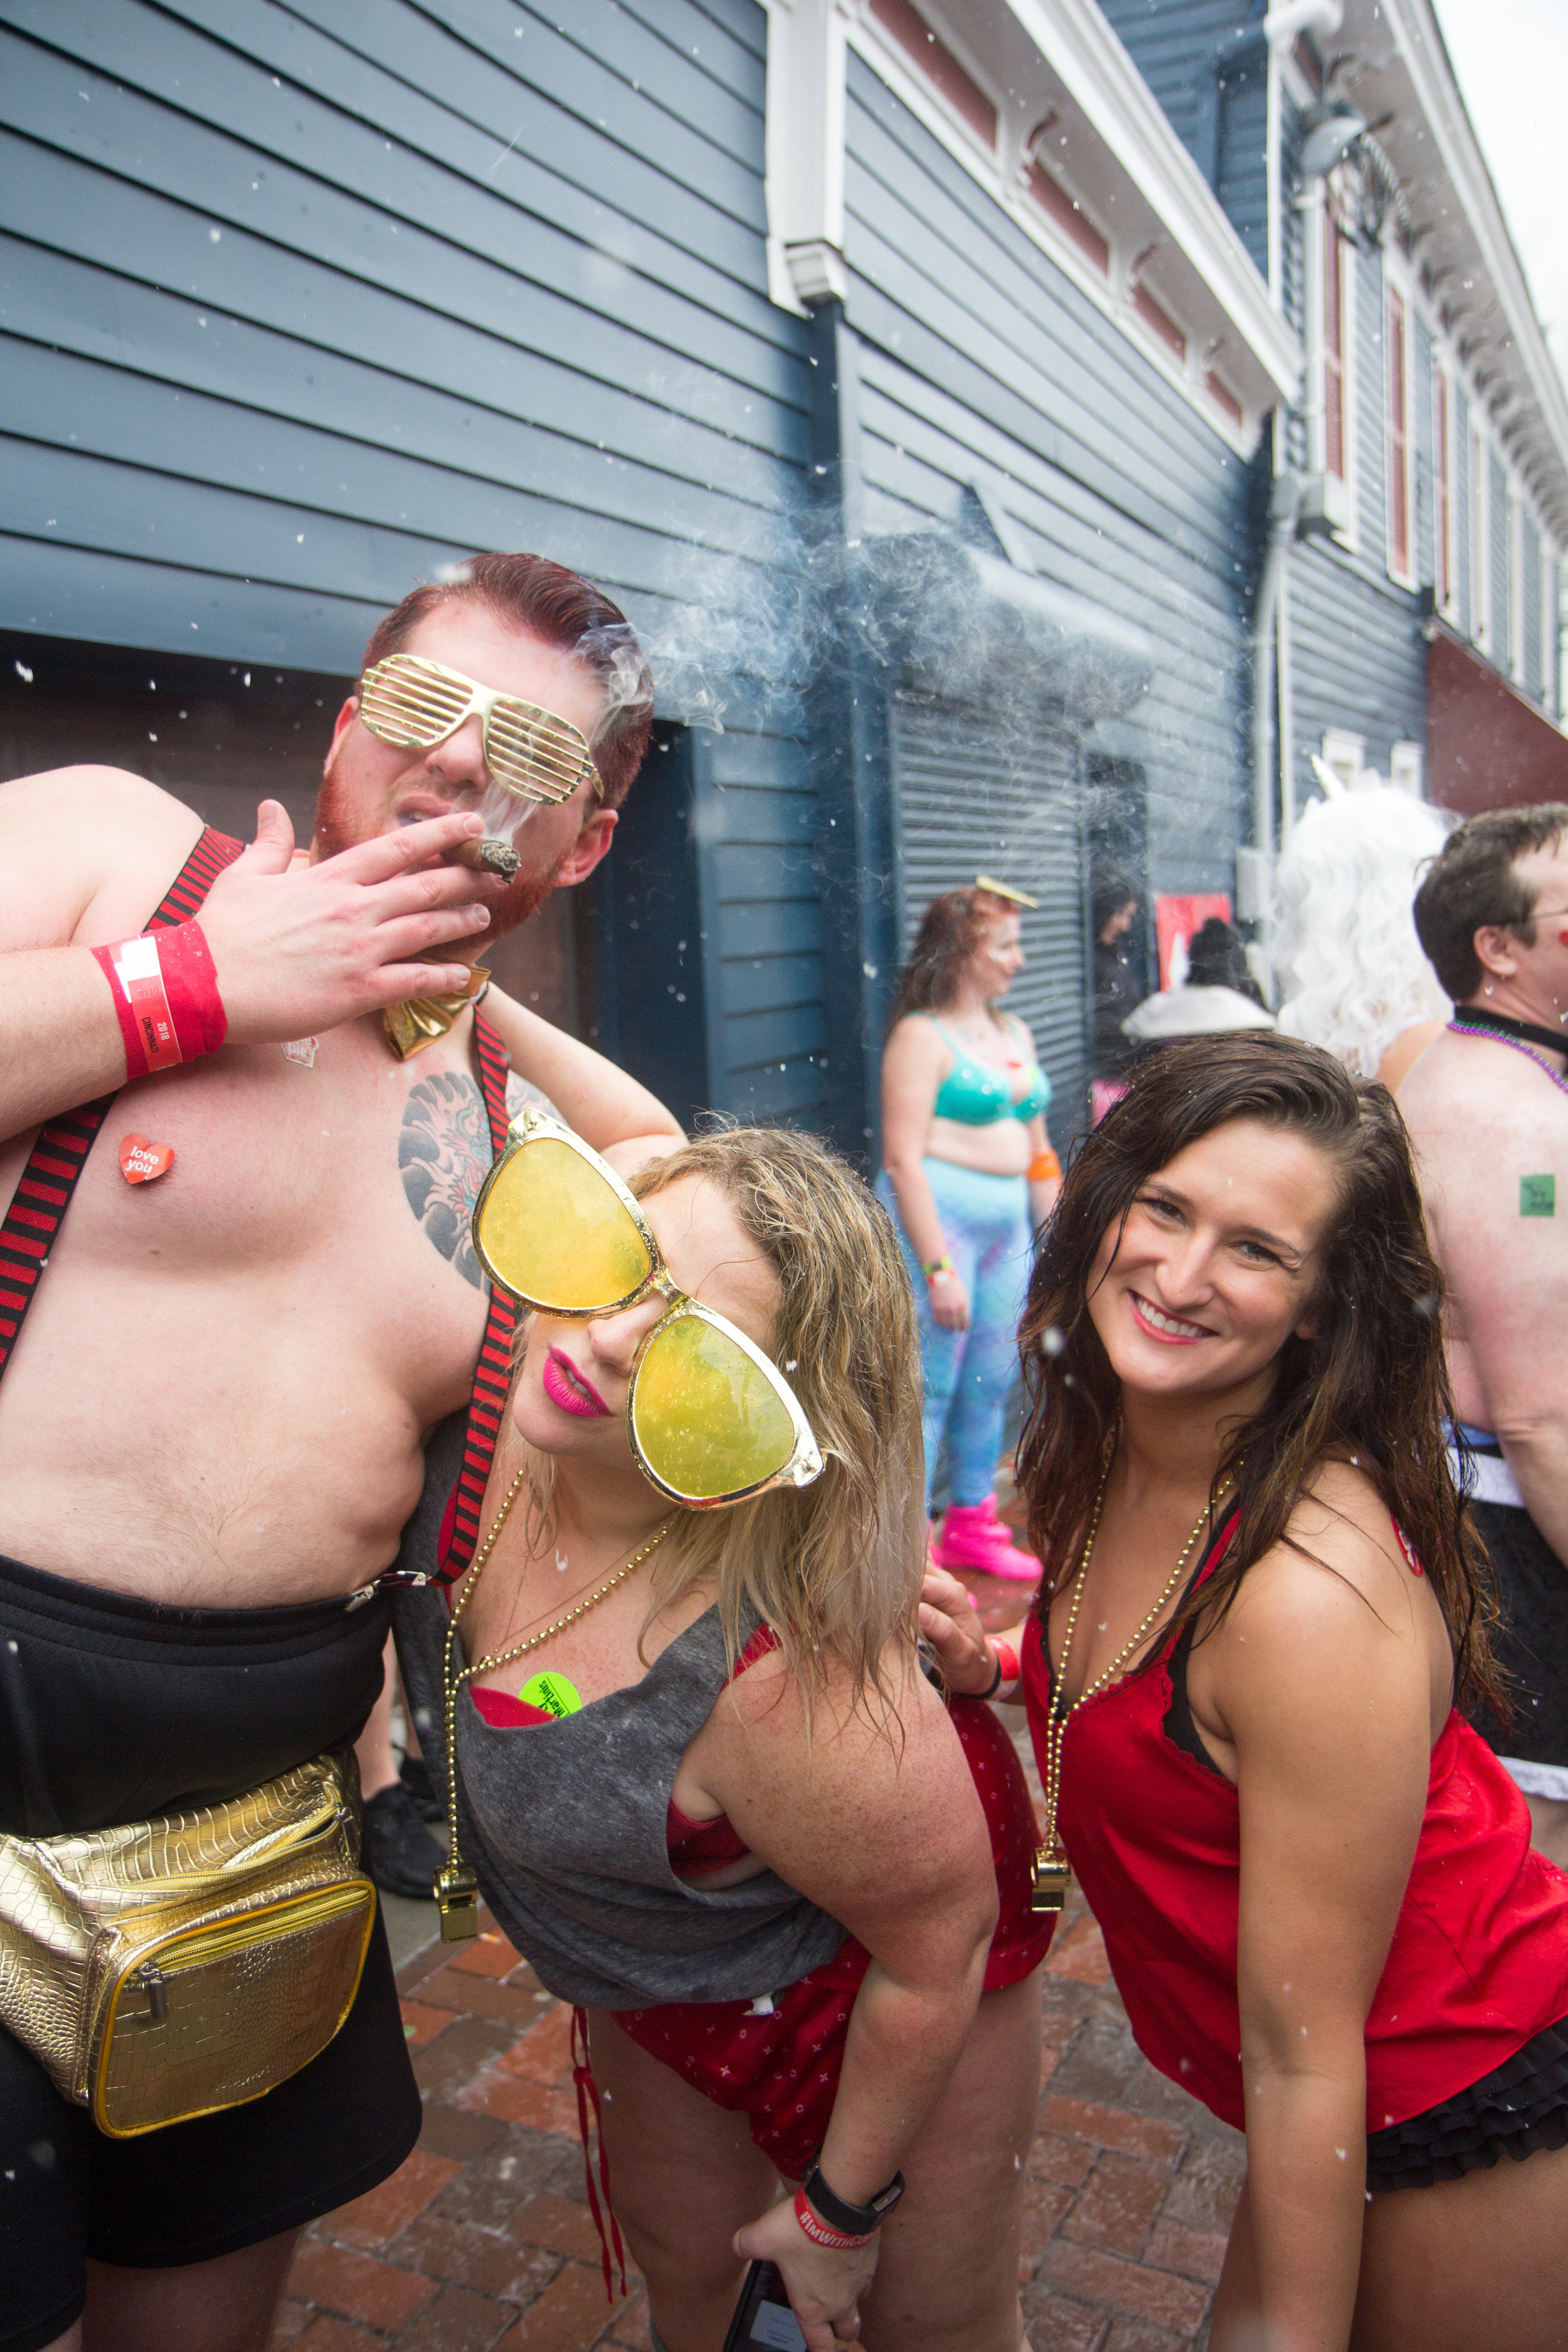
262, 1299
1487, 1106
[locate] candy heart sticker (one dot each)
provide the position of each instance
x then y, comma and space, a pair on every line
140, 1160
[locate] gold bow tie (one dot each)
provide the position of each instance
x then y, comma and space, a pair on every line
411, 1027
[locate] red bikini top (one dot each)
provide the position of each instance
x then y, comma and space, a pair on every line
695, 1847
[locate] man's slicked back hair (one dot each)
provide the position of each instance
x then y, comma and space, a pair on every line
1474, 881
560, 608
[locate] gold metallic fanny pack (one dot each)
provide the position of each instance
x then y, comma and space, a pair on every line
170, 1968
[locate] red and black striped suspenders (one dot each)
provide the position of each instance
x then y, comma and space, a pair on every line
33, 1222
492, 1377
59, 1155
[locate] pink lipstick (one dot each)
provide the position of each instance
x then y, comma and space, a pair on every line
1172, 1331
564, 1385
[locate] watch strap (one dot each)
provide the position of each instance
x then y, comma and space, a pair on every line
854, 2221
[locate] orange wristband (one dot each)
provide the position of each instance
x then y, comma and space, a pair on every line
1044, 1168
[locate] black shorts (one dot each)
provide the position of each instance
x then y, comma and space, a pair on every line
1520, 2109
112, 1709
198, 2190
1531, 1643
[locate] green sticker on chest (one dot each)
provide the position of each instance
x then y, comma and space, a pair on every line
553, 1693
1538, 1196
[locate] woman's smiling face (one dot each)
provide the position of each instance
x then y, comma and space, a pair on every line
570, 1397
1218, 1263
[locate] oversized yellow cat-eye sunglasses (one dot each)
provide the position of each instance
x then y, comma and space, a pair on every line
709, 1420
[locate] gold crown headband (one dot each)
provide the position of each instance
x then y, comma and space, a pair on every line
994, 889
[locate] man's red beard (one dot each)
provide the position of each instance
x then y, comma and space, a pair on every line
517, 901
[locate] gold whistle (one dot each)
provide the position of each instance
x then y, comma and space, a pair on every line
457, 1893
1050, 1880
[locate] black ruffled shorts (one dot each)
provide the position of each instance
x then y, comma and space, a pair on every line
1520, 2109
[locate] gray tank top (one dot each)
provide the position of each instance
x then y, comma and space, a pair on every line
566, 1823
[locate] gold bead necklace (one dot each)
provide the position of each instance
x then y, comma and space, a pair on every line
457, 1885
1052, 1873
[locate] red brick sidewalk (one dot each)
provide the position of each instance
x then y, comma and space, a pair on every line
483, 2238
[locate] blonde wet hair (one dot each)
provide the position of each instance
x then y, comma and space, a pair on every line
835, 1569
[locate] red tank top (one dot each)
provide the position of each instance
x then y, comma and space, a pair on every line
1479, 1962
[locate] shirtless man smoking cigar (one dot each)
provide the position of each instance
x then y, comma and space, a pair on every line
211, 1418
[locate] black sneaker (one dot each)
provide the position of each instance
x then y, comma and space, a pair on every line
400, 1854
415, 1776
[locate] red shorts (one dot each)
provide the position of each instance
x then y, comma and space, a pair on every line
782, 2068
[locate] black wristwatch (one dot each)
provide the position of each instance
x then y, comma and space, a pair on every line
854, 2221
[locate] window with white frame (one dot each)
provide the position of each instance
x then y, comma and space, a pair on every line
1396, 377
1516, 603
1480, 628
1405, 766
1442, 488
1343, 753
1499, 551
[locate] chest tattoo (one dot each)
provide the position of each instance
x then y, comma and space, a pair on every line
444, 1155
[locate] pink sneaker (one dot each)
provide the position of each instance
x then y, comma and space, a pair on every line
974, 1538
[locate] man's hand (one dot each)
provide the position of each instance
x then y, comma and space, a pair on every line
825, 2286
299, 949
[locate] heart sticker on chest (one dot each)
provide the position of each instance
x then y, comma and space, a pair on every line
140, 1160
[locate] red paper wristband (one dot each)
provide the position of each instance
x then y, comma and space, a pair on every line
1008, 1659
818, 2231
165, 995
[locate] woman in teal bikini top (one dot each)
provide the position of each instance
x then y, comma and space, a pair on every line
968, 1171
977, 1093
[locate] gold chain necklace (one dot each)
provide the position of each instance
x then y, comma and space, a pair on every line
457, 1884
1052, 1872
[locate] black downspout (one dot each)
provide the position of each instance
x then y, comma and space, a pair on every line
846, 704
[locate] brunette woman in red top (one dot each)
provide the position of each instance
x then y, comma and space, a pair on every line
1247, 1693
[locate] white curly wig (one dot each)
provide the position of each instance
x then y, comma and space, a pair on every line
1351, 972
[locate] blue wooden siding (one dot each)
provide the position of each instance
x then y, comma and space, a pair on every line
1359, 657
1241, 182
980, 357
1174, 44
300, 305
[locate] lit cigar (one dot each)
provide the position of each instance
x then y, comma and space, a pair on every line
488, 855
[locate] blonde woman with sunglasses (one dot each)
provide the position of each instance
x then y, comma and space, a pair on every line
703, 1783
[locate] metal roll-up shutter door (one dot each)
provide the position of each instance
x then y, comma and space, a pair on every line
972, 798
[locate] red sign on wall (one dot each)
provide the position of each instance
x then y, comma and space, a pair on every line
1177, 918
